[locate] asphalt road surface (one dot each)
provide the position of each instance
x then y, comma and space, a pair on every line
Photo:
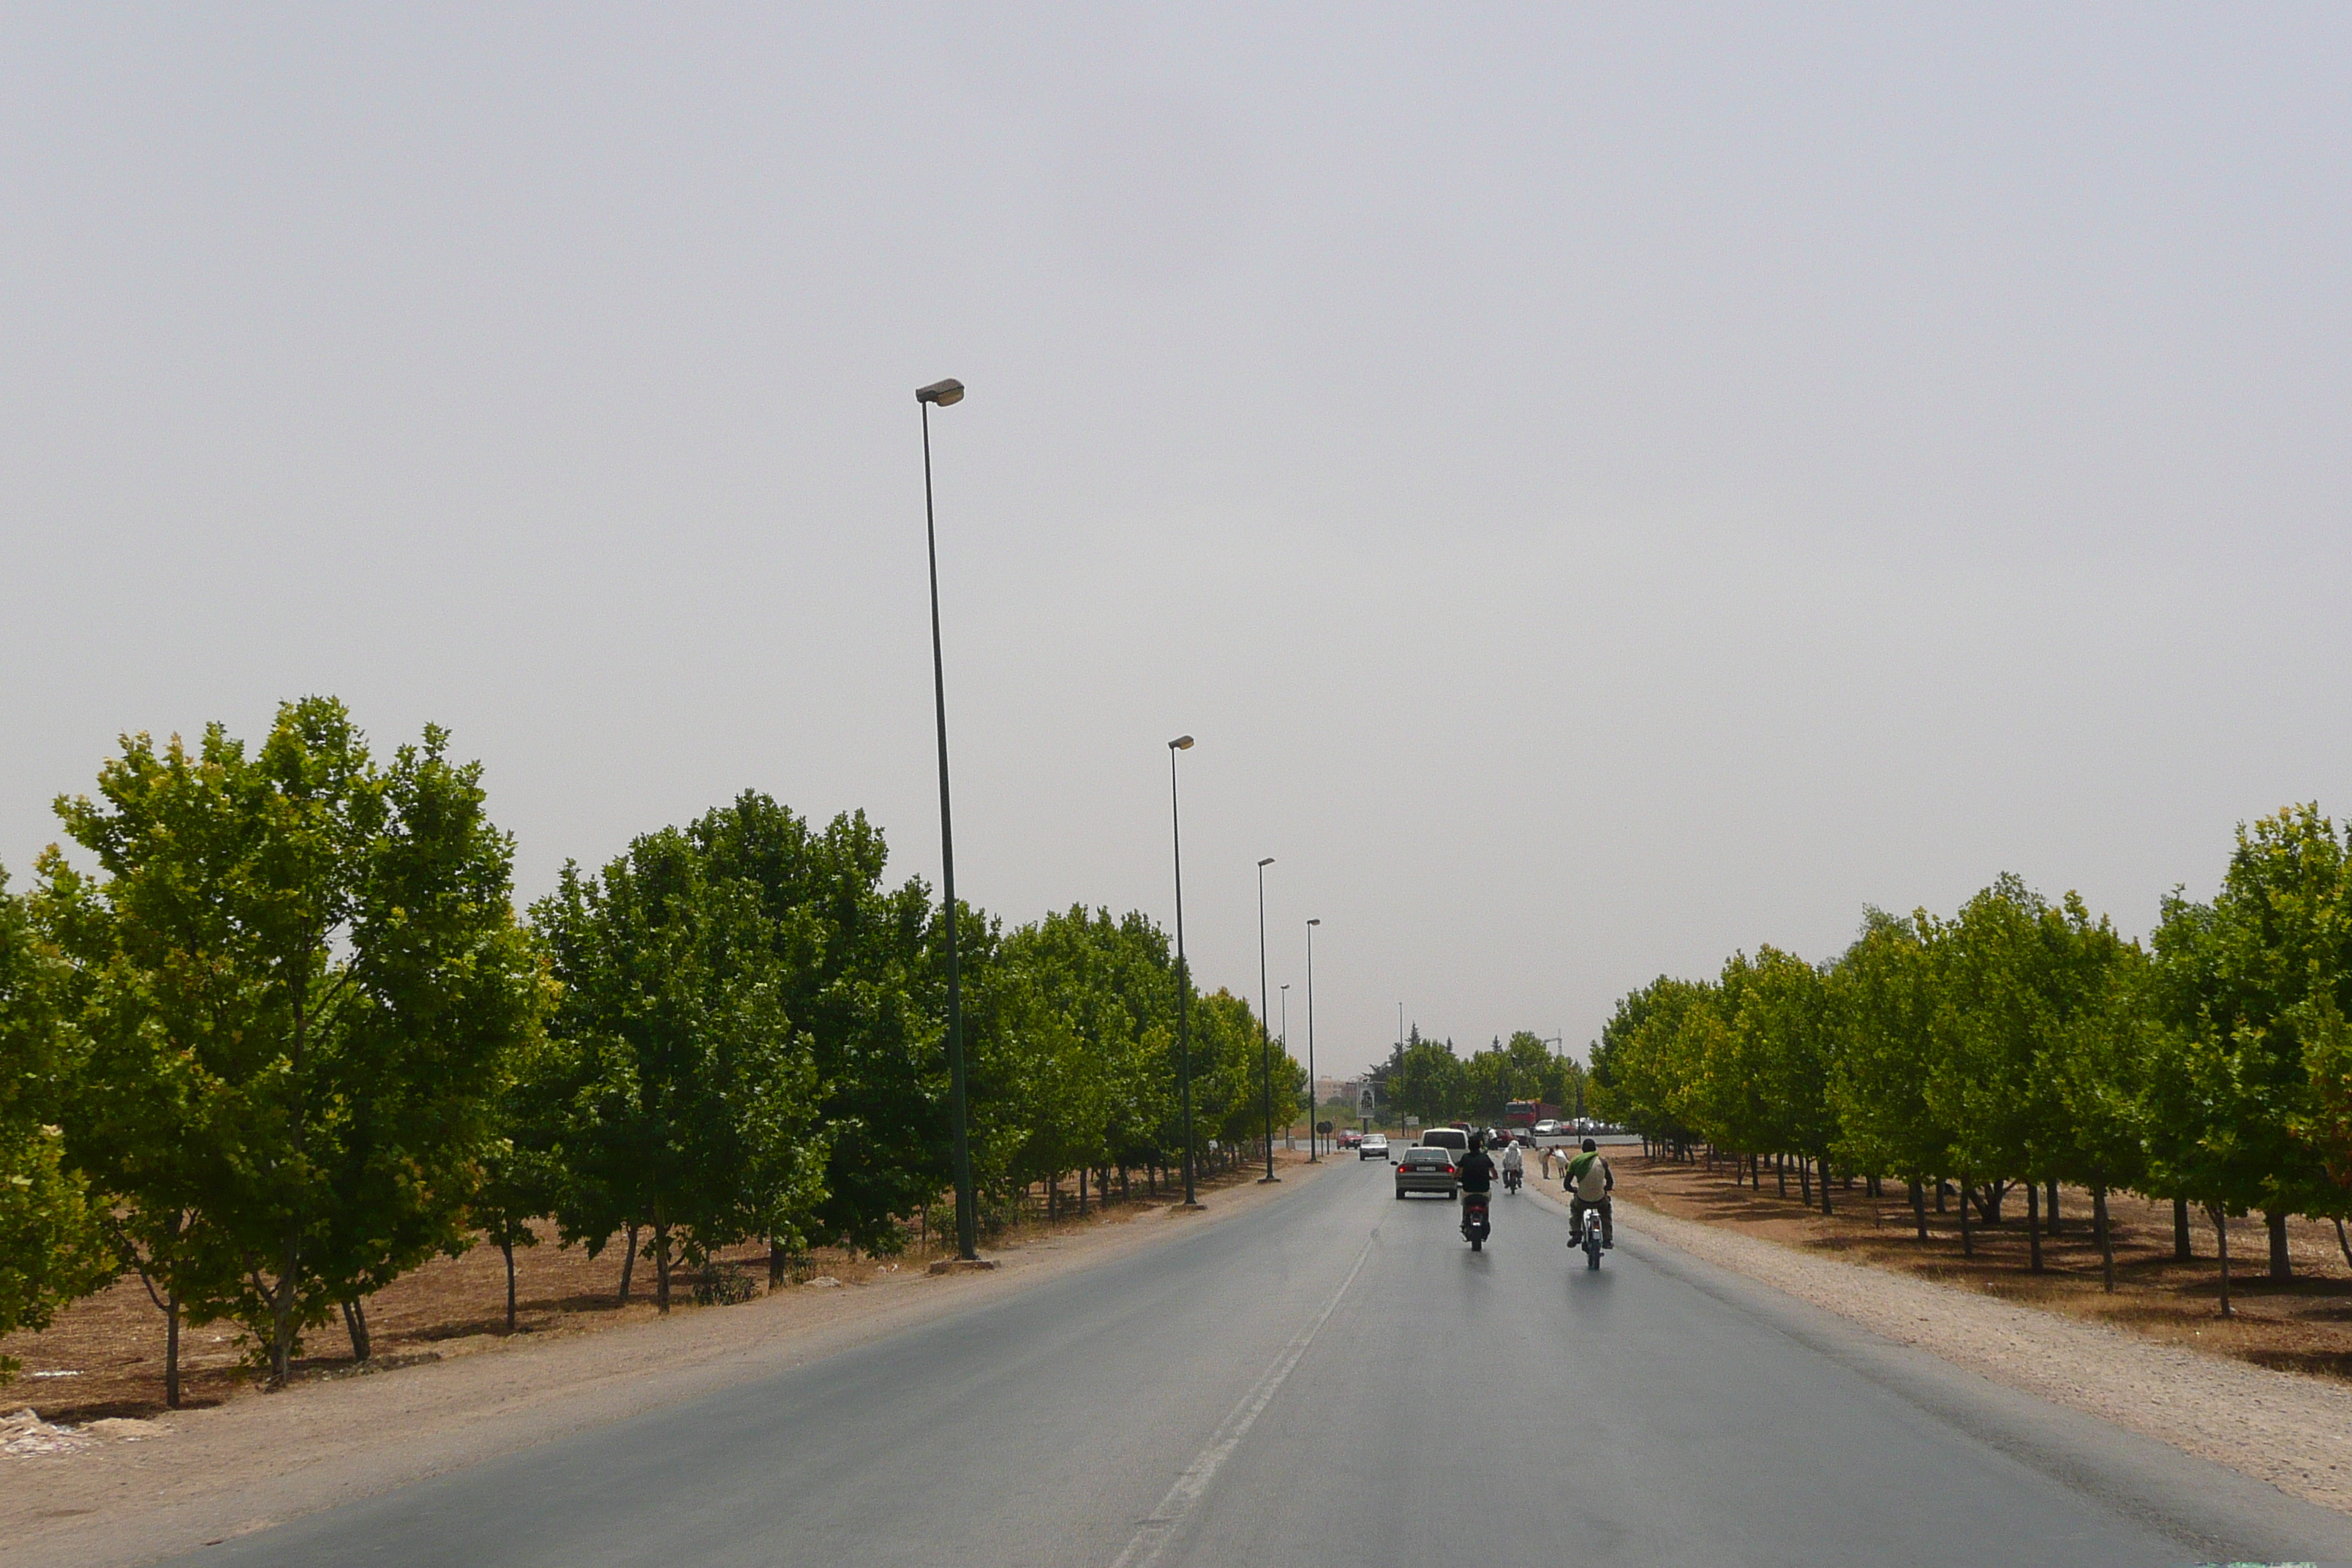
1335, 1378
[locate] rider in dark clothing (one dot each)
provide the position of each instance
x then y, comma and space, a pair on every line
1477, 1169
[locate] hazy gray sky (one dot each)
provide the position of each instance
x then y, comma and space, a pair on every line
1606, 486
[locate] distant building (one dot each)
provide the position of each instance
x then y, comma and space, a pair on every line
1328, 1089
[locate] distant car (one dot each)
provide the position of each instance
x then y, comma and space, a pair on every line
1350, 1138
1549, 1129
1375, 1146
1429, 1168
1451, 1139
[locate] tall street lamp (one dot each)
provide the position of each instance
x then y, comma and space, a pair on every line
949, 394
1286, 1057
1183, 974
1314, 1093
946, 393
1264, 1042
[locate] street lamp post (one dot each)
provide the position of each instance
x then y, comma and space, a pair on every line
1183, 974
1264, 1041
1313, 1092
946, 393
1286, 1057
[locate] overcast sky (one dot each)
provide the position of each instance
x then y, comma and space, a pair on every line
1605, 486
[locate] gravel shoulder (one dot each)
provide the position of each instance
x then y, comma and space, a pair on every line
2292, 1432
203, 1476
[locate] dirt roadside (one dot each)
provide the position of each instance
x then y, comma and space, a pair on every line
243, 1465
2292, 1432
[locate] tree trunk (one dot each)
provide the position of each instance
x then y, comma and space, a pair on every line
1920, 1206
1939, 1195
1082, 1192
172, 1345
506, 1245
2054, 1206
2282, 1265
355, 1324
281, 1335
776, 1248
2033, 1227
1804, 1181
1988, 1198
661, 1266
2106, 1238
2343, 1243
1825, 1163
1968, 1241
1780, 1171
2222, 1231
628, 1263
2180, 1252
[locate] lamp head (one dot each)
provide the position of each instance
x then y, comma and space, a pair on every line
943, 393
1315, 922
1181, 743
1267, 861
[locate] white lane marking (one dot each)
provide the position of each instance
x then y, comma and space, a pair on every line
1152, 1536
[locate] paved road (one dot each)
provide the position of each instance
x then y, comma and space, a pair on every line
1336, 1379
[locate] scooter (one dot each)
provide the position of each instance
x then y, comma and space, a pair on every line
1476, 1227
1510, 1179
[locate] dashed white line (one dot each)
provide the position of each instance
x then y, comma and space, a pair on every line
1152, 1536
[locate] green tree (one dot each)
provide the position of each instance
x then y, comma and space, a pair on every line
861, 970
690, 1105
52, 1246
2245, 984
1883, 994
1782, 1019
1635, 1081
307, 972
1426, 1080
1521, 1067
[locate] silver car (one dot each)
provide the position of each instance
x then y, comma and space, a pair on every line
1428, 1168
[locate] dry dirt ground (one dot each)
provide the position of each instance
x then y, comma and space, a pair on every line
451, 1387
2303, 1325
2144, 1359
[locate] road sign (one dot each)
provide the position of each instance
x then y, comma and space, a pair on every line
1413, 1121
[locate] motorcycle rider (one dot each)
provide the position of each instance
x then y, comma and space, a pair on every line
1477, 1173
1589, 1181
1514, 1164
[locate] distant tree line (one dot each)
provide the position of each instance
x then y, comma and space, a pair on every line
1428, 1078
291, 1038
2018, 1042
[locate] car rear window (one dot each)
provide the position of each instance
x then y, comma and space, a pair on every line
1446, 1138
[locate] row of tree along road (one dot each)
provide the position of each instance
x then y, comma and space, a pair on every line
280, 1036
2021, 1043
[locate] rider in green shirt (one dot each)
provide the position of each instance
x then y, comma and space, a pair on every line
1589, 1182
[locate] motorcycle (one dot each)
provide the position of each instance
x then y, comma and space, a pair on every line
1476, 1225
1589, 1240
1510, 1179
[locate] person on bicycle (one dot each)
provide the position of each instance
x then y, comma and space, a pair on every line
1514, 1163
1589, 1182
